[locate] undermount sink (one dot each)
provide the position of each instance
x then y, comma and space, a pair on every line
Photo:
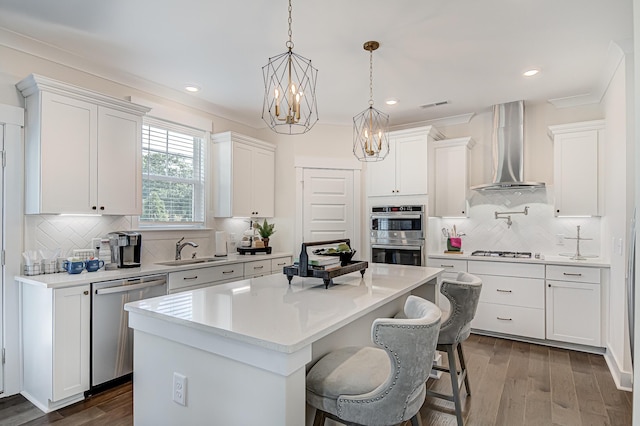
190, 261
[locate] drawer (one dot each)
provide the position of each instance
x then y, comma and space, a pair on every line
197, 277
449, 265
525, 292
515, 320
257, 267
580, 274
279, 263
507, 269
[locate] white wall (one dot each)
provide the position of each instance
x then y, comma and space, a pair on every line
619, 175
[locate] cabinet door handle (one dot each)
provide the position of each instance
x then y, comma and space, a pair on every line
446, 266
504, 319
190, 278
94, 207
86, 292
228, 272
503, 291
101, 207
571, 275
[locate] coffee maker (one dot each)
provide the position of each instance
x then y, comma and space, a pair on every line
125, 248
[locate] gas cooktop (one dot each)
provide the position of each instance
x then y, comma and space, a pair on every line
519, 254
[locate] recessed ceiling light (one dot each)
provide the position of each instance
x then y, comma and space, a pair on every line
531, 72
192, 88
391, 101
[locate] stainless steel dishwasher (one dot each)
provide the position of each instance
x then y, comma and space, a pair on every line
111, 337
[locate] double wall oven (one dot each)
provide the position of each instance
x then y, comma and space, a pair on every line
398, 234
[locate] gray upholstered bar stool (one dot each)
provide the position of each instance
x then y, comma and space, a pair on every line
379, 386
463, 294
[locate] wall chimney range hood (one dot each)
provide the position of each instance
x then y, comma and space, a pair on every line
507, 143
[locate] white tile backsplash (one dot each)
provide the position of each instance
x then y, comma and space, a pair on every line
536, 232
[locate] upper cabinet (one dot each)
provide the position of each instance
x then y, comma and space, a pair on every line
244, 176
404, 171
577, 168
449, 177
82, 150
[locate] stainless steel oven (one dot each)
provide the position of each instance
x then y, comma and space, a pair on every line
398, 234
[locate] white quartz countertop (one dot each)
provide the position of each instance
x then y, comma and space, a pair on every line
63, 279
270, 313
546, 260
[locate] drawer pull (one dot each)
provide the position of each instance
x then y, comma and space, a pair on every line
282, 264
258, 267
446, 266
571, 275
503, 291
228, 272
504, 319
190, 278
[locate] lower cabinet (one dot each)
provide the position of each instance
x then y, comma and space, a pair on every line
512, 300
204, 277
573, 305
451, 268
56, 344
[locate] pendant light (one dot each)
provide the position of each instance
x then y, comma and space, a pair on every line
289, 91
370, 127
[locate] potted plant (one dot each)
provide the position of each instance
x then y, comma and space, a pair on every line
265, 230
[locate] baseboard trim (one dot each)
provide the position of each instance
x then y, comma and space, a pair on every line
622, 379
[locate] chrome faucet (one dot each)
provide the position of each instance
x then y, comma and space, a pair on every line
179, 247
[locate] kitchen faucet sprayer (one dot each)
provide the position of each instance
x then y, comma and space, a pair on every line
180, 246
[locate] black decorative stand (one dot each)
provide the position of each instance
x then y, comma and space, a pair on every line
327, 275
245, 250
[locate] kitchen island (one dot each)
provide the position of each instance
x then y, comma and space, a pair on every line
242, 349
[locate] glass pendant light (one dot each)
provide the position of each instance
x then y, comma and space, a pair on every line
370, 127
289, 91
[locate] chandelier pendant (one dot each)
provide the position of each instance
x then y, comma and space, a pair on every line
370, 127
289, 105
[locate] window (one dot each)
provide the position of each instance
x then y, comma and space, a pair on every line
172, 174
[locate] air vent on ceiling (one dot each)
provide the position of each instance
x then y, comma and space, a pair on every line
435, 104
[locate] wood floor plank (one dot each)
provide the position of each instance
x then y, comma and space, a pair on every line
588, 393
564, 401
512, 401
538, 399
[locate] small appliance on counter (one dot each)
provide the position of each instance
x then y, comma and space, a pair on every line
125, 248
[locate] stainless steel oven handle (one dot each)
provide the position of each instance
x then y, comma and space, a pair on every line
385, 246
396, 216
125, 288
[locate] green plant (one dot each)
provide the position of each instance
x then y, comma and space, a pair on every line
266, 229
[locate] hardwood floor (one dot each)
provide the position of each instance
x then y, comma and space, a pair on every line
512, 383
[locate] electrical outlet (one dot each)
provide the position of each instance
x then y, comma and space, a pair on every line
180, 389
560, 239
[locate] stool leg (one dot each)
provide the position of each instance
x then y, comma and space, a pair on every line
453, 372
415, 420
318, 420
463, 367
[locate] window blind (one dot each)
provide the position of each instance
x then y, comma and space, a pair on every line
173, 174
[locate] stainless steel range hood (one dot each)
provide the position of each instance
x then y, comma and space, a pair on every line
508, 149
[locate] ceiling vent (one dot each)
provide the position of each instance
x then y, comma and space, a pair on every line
435, 104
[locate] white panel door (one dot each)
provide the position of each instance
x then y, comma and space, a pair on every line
2, 244
328, 205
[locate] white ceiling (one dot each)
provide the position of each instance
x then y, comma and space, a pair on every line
469, 52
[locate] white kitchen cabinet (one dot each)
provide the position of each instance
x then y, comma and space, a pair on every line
449, 177
451, 268
512, 300
279, 263
573, 304
577, 170
404, 171
244, 176
203, 277
56, 344
82, 150
257, 268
